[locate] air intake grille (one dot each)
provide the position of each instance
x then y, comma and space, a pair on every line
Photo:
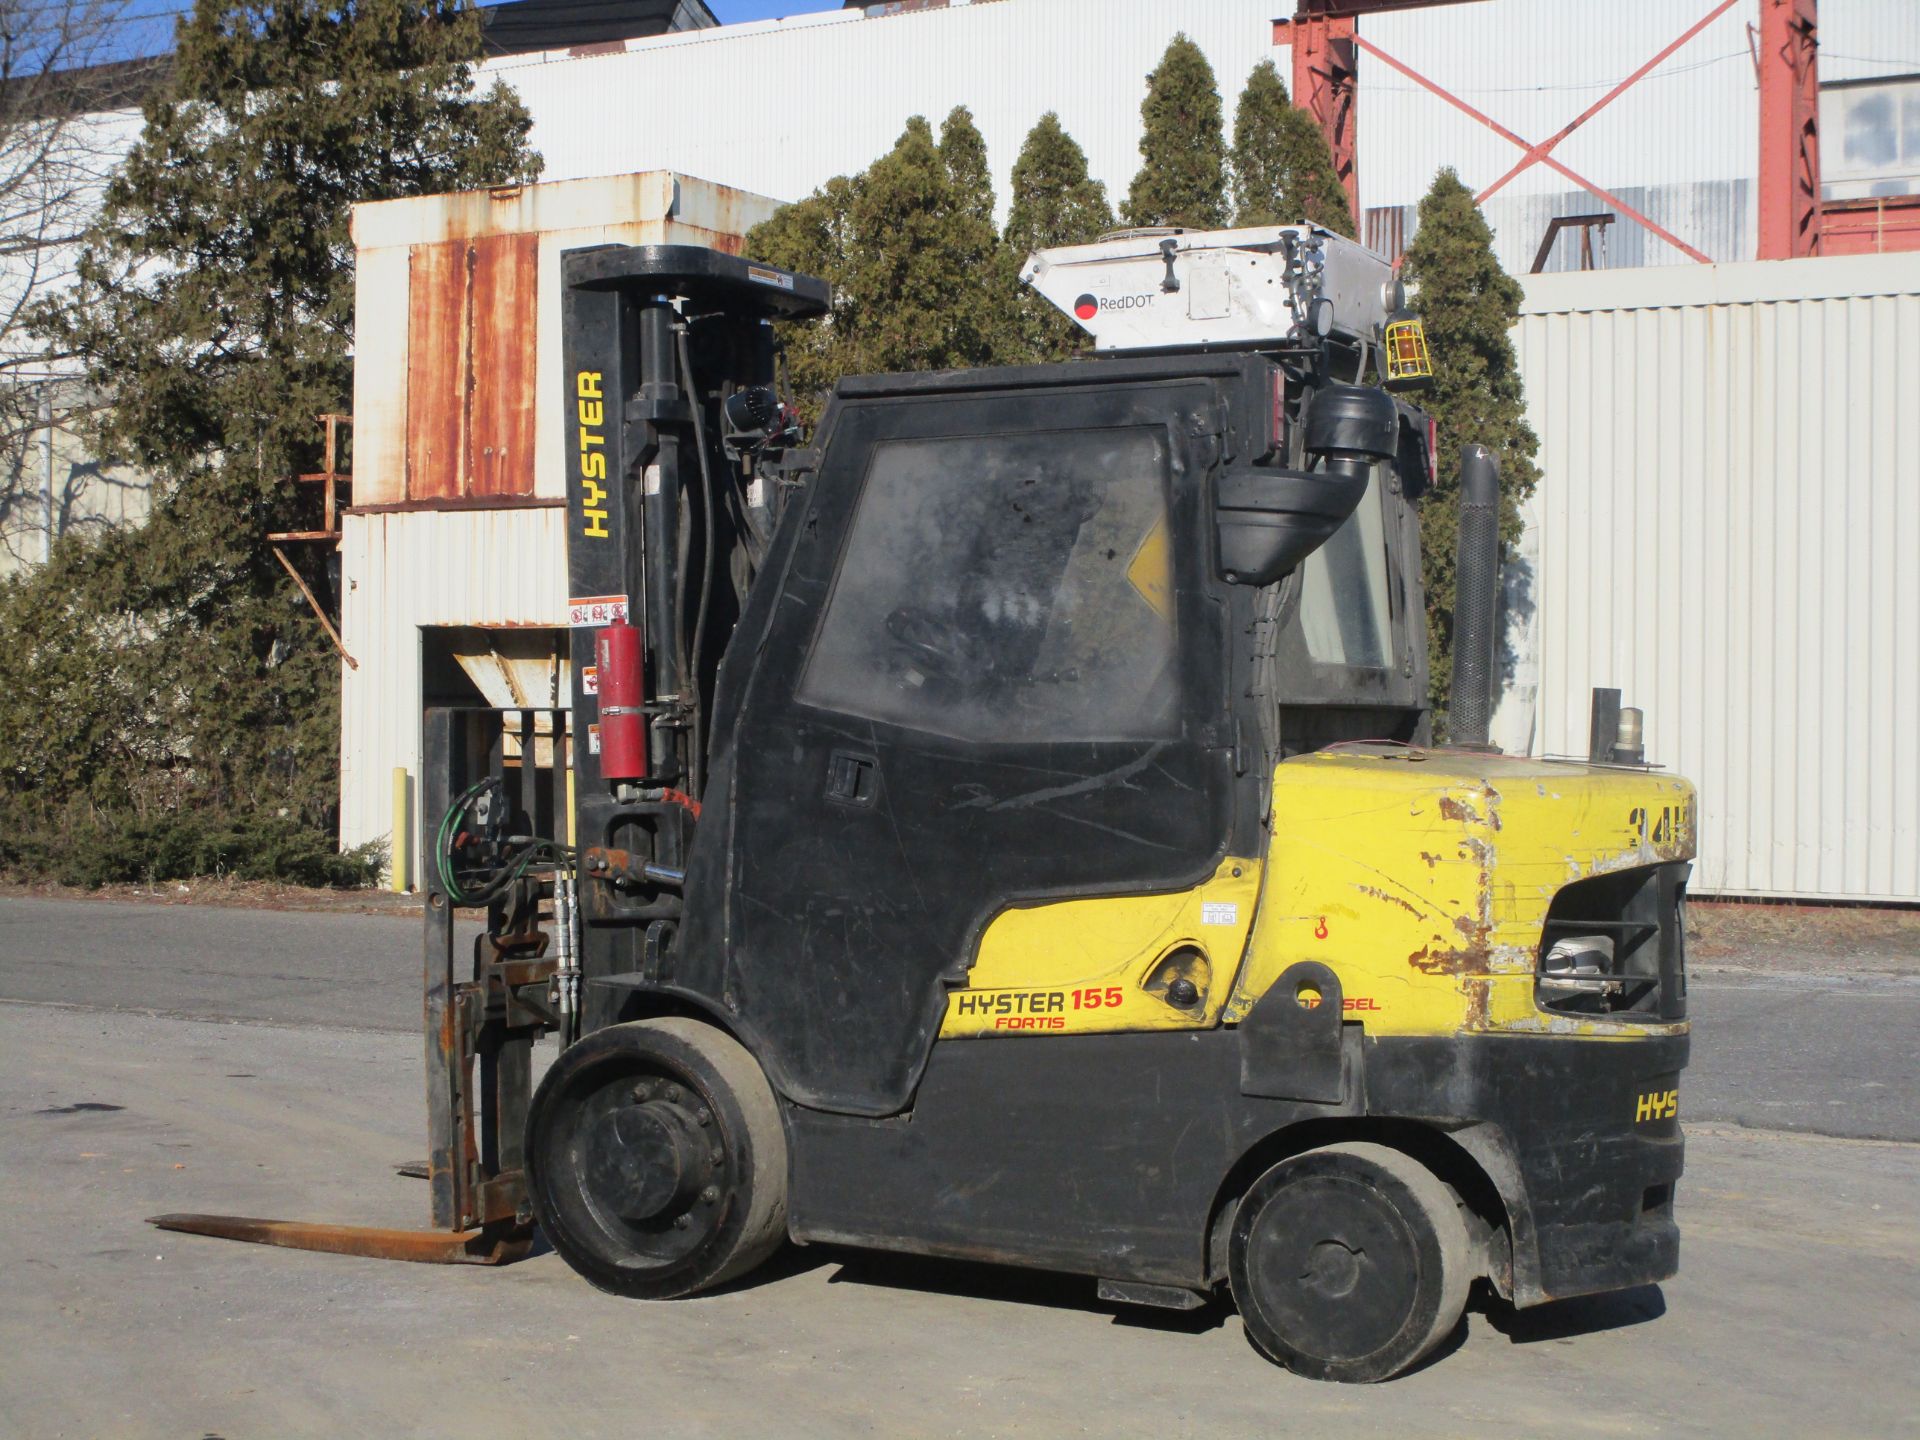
1615, 945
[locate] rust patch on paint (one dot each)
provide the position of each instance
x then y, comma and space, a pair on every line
1479, 1006
1471, 958
1462, 812
1472, 950
1431, 859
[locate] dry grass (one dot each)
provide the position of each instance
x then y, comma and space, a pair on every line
1747, 935
229, 892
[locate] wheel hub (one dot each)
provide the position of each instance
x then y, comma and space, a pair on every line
646, 1161
1334, 1266
1332, 1269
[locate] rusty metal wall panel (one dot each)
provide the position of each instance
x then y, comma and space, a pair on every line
436, 370
503, 307
1725, 531
472, 308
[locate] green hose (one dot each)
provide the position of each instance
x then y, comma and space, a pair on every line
539, 849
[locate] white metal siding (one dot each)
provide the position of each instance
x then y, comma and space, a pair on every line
488, 568
1727, 531
1533, 65
779, 107
1681, 145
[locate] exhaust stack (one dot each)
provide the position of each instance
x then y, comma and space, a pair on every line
1476, 600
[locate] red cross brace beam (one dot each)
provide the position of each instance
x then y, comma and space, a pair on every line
1541, 153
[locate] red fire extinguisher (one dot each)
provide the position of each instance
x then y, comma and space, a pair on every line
623, 723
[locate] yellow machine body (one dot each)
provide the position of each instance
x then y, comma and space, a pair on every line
1422, 878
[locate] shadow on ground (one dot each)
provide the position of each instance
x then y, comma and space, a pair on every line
1586, 1315
1012, 1284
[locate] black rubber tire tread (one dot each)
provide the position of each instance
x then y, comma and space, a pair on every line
1424, 1202
730, 1080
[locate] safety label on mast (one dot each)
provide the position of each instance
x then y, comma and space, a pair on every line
591, 610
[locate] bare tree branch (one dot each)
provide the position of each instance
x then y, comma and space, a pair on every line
65, 120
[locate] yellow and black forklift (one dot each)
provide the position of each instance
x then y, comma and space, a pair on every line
1003, 825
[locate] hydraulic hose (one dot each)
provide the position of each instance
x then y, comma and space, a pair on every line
696, 760
490, 887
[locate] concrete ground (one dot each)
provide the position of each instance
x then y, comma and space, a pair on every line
1795, 1312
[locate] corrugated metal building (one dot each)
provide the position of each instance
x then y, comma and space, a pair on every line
780, 106
1681, 145
1691, 417
1727, 531
453, 552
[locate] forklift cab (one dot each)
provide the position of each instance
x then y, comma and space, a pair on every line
994, 662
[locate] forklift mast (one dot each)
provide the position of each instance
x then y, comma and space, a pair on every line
677, 438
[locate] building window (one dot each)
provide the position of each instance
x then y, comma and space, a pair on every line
1870, 138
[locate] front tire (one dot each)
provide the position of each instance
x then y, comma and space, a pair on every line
656, 1159
1349, 1262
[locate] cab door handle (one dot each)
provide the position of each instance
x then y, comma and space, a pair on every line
852, 779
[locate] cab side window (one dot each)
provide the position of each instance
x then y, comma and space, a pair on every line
1013, 588
1344, 615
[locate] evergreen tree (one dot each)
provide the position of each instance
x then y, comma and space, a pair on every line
921, 281
1469, 305
963, 149
964, 152
1282, 168
1182, 179
924, 272
815, 237
1055, 202
214, 307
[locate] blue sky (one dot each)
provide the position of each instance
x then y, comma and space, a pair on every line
732, 12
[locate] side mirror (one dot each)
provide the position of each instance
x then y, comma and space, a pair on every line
1269, 520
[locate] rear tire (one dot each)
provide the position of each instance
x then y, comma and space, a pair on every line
1349, 1262
656, 1159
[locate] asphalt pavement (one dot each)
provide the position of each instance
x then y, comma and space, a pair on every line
1827, 1054
1794, 1313
1821, 1054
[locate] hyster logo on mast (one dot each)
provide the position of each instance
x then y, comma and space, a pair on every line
1088, 306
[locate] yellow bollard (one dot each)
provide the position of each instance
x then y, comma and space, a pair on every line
402, 832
